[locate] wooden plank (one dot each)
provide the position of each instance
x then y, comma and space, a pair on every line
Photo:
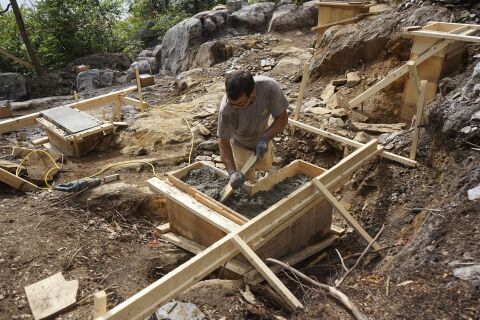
341, 22
286, 211
99, 304
133, 102
228, 190
16, 59
303, 86
385, 154
254, 277
18, 122
195, 248
444, 35
102, 100
378, 127
418, 118
40, 141
412, 71
189, 203
16, 182
263, 269
345, 215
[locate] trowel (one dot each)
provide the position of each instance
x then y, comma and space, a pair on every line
228, 190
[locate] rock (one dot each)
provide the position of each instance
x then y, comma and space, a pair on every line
188, 80
339, 82
312, 103
287, 66
208, 25
157, 53
220, 166
176, 44
474, 193
322, 111
327, 92
211, 145
217, 159
233, 5
143, 68
203, 130
211, 53
376, 127
146, 53
352, 79
254, 16
140, 152
178, 311
149, 34
332, 102
469, 273
337, 122
285, 49
466, 130
12, 86
361, 137
152, 62
203, 158
94, 78
290, 17
475, 116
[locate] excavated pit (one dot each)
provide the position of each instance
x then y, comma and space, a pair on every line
209, 182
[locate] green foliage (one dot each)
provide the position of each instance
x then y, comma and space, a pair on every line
63, 30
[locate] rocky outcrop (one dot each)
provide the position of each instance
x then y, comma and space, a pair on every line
291, 16
211, 53
346, 47
95, 78
180, 44
255, 16
12, 86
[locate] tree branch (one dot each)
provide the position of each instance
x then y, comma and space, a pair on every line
337, 294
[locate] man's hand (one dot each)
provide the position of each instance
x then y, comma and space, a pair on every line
262, 146
236, 179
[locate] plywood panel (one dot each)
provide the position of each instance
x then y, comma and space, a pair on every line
182, 221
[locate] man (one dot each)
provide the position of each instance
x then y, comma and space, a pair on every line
243, 123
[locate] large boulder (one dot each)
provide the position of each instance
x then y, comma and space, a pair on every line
255, 16
176, 44
291, 16
12, 86
95, 78
144, 67
211, 53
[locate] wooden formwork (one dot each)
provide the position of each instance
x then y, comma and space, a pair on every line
314, 226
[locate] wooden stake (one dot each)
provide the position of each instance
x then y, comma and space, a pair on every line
139, 85
263, 269
418, 118
301, 93
412, 71
75, 95
99, 304
341, 210
228, 190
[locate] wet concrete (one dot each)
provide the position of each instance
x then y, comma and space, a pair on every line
209, 182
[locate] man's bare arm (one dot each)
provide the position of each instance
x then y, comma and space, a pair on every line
277, 126
227, 155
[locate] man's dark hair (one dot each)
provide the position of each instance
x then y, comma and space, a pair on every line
239, 82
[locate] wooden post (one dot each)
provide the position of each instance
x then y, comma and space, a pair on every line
139, 85
26, 40
75, 95
263, 269
344, 213
301, 93
99, 304
418, 118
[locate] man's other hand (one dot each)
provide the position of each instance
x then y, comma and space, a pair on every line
262, 146
236, 179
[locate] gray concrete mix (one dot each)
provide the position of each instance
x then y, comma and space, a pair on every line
209, 182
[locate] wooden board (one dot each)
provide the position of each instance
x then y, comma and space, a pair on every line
16, 182
51, 295
228, 190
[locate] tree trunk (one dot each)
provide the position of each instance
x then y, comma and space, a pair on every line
26, 40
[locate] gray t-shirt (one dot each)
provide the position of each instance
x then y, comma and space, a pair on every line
246, 125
